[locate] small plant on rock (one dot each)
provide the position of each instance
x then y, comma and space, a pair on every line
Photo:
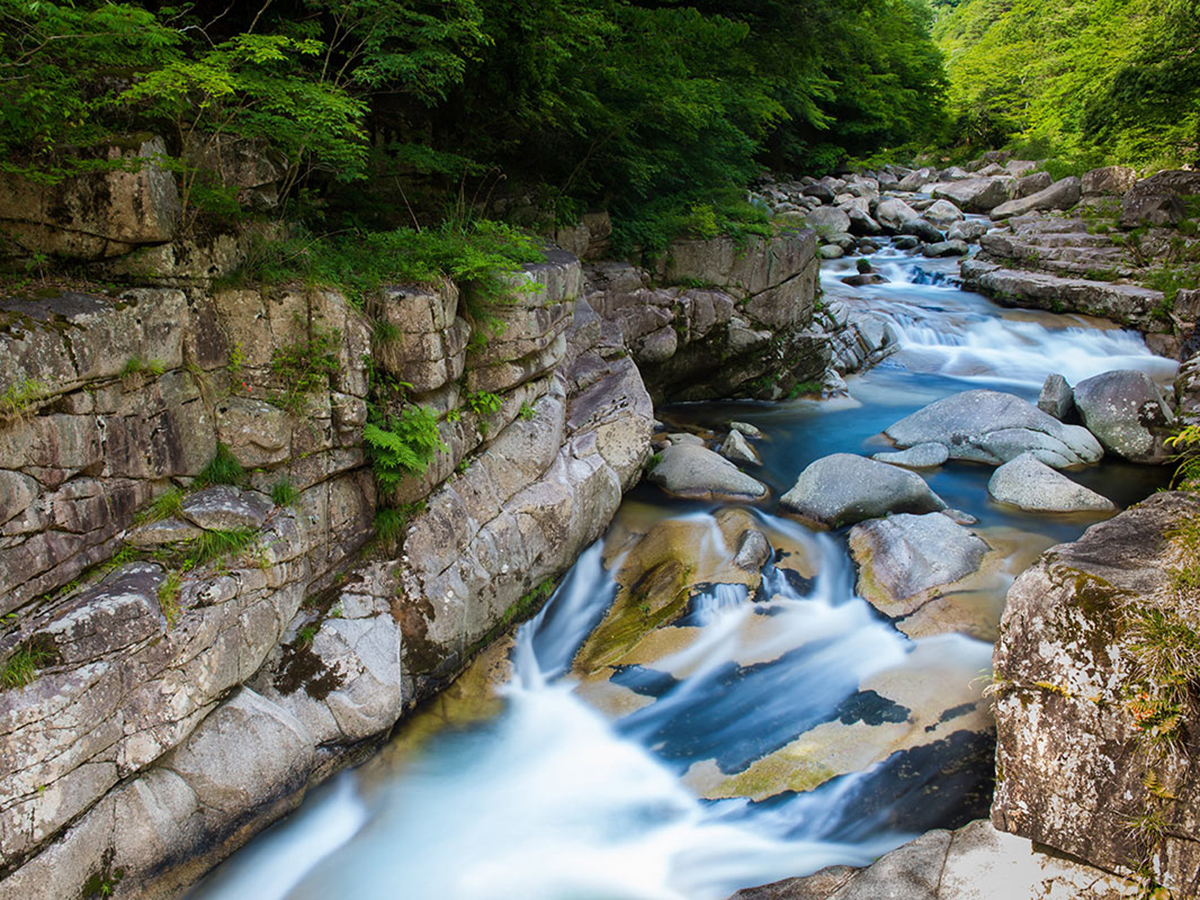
402, 445
223, 469
283, 492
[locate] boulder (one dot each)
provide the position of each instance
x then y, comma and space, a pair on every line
993, 427
1158, 200
1056, 398
1030, 484
922, 229
1031, 184
828, 220
976, 862
907, 242
1081, 692
750, 431
892, 213
1061, 195
921, 456
224, 508
905, 561
945, 248
1125, 410
694, 471
967, 230
978, 195
861, 223
1108, 180
819, 192
1020, 168
843, 489
914, 181
942, 213
736, 449
832, 251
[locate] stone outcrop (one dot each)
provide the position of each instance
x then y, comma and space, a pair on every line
98, 214
1090, 743
1126, 411
188, 697
746, 332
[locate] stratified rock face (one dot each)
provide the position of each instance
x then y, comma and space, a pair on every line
99, 214
1075, 692
747, 331
843, 489
1125, 410
1158, 200
904, 561
1060, 195
976, 862
993, 428
1129, 304
1028, 483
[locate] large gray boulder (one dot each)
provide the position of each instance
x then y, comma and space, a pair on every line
892, 213
1158, 200
1108, 180
1028, 483
692, 470
993, 427
967, 230
1031, 184
976, 195
1061, 195
1125, 410
942, 213
904, 561
1080, 691
844, 488
945, 248
827, 220
923, 229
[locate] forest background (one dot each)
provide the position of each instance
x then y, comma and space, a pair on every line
391, 114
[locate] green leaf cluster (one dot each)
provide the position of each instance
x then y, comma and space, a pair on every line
402, 445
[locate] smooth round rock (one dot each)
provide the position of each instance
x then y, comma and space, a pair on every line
1028, 483
844, 488
920, 456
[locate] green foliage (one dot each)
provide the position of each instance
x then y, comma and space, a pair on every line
390, 523
283, 492
483, 403
18, 400
304, 368
1186, 443
1081, 81
402, 445
223, 469
168, 597
307, 634
136, 369
164, 506
526, 412
217, 544
23, 663
652, 225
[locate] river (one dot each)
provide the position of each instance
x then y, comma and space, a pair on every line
768, 732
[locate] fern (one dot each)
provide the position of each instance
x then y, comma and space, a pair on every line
403, 446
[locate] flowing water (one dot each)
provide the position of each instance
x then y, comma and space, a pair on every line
779, 726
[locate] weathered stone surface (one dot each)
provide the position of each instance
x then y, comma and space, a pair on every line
1031, 184
893, 213
993, 427
1060, 195
1030, 484
843, 489
737, 449
942, 213
225, 508
967, 230
1125, 303
1073, 756
754, 550
1125, 410
1056, 397
827, 220
1108, 180
976, 862
99, 214
976, 195
1157, 200
904, 561
919, 456
688, 470
945, 248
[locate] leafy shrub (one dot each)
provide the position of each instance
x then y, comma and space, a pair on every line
402, 445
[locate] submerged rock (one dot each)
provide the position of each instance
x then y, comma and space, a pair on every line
904, 561
844, 488
690, 470
1125, 410
1030, 484
993, 427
